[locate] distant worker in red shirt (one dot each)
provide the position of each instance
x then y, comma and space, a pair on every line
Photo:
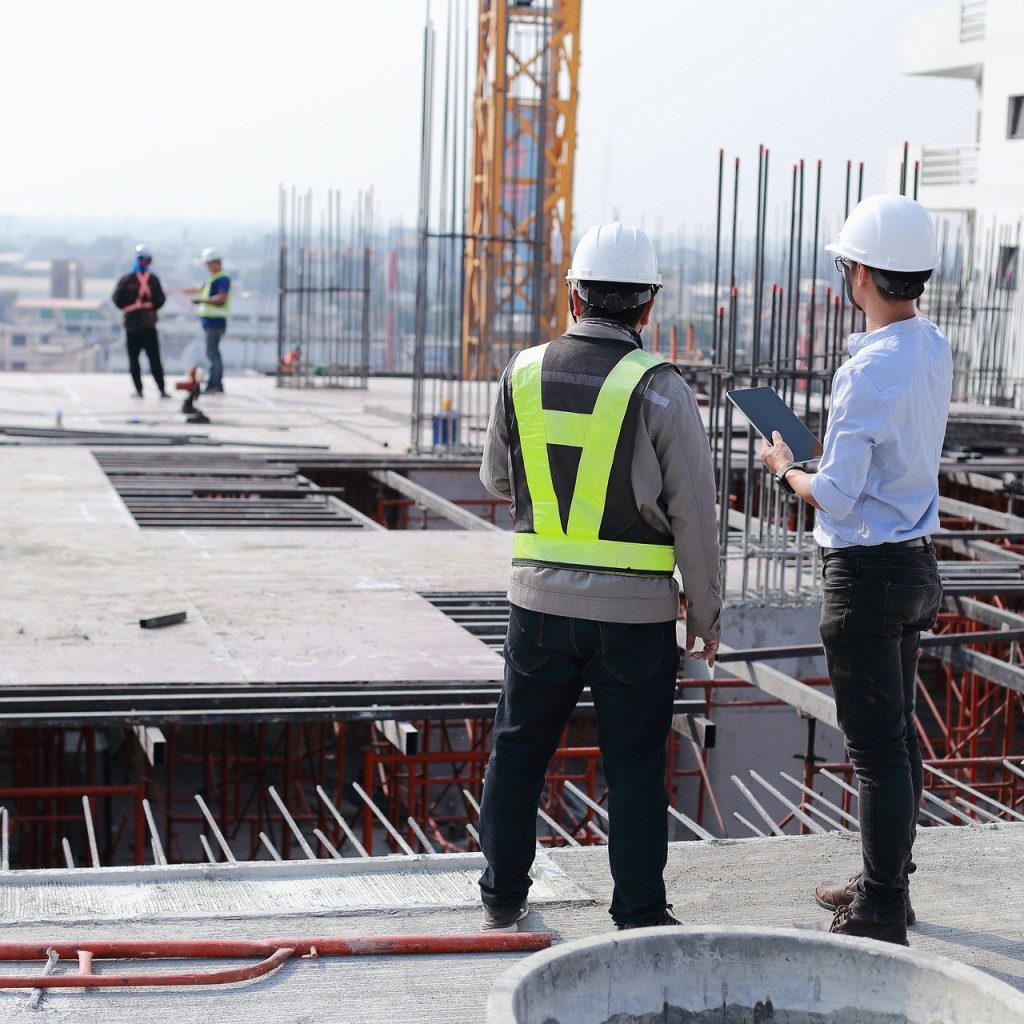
138, 295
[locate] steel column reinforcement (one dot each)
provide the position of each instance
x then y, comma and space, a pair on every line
324, 286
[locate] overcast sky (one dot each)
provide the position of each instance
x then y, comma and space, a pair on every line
130, 113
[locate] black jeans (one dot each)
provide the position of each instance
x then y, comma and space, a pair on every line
631, 671
875, 602
144, 339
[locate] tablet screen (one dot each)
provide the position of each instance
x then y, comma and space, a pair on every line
768, 412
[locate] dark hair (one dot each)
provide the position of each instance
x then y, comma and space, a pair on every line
900, 286
604, 300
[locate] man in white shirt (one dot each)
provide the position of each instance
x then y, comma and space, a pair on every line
876, 492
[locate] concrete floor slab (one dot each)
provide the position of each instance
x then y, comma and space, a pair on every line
302, 605
264, 890
263, 605
966, 892
253, 410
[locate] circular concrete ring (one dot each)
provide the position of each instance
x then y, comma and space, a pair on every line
700, 968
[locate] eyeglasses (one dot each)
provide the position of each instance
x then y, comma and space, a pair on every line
843, 265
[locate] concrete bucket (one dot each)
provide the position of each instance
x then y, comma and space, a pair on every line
736, 975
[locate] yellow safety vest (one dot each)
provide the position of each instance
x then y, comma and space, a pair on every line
209, 309
597, 434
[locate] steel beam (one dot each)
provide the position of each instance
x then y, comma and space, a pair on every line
697, 728
433, 501
803, 698
403, 736
979, 514
130, 714
992, 669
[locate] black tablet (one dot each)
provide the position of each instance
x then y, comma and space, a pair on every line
768, 412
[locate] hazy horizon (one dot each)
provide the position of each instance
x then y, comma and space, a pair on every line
129, 117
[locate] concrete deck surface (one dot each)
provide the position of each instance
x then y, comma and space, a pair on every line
252, 410
967, 893
309, 605
263, 605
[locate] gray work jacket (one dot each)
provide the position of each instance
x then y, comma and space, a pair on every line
674, 485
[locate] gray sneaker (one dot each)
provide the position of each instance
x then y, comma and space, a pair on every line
504, 920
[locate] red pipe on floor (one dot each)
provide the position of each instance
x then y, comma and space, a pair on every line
274, 951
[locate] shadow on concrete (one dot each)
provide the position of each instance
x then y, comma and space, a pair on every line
988, 942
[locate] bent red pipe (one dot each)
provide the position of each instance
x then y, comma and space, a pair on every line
274, 951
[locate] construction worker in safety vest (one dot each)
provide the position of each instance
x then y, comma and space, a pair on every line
876, 493
213, 298
138, 295
601, 448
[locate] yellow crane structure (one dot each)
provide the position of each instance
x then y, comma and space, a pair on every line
519, 210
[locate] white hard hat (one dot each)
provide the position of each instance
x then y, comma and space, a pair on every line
615, 252
143, 253
888, 232
209, 254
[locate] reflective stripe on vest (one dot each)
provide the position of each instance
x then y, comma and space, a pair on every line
209, 309
144, 299
597, 434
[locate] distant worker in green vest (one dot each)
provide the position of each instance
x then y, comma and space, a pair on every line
213, 298
601, 448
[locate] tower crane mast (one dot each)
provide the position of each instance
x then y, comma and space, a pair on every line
519, 216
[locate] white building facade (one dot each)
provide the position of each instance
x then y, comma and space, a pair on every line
980, 185
58, 335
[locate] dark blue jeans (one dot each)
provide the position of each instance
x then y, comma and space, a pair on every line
875, 602
631, 671
216, 374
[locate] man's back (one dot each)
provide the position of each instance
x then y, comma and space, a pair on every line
601, 448
892, 399
667, 468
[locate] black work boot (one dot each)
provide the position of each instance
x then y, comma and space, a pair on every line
832, 897
845, 923
665, 920
504, 920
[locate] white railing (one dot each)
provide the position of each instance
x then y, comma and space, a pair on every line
973, 17
944, 166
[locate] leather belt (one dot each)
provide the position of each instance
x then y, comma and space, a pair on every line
917, 542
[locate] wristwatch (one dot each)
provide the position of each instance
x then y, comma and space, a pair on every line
780, 477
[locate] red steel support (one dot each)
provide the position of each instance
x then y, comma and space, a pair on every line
68, 792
